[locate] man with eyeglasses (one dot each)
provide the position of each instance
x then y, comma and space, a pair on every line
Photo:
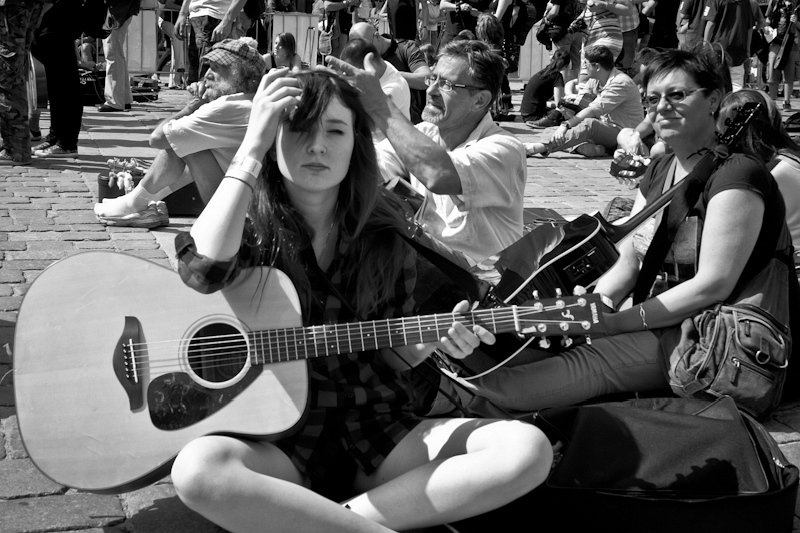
594, 129
470, 171
405, 56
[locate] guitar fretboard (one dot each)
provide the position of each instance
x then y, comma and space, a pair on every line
291, 344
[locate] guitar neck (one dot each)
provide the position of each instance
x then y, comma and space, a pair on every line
560, 316
702, 170
279, 345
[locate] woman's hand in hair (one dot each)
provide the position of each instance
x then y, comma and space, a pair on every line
277, 96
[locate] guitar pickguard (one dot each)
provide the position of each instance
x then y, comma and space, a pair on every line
176, 401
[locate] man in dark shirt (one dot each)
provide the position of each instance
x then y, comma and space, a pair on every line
405, 56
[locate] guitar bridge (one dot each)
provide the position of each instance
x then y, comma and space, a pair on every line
126, 367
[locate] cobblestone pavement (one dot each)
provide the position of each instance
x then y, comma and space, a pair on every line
46, 215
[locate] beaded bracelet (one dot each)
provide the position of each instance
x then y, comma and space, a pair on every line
642, 315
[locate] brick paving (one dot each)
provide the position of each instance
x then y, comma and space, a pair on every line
46, 215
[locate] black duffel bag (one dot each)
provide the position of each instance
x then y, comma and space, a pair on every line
656, 465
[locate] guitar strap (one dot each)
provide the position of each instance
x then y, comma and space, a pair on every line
673, 216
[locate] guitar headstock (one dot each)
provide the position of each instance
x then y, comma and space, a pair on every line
734, 126
561, 316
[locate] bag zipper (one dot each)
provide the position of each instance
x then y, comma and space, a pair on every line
738, 363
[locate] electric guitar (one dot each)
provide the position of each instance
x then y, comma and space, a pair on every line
118, 365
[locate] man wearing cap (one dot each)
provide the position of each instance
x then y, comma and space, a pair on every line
197, 143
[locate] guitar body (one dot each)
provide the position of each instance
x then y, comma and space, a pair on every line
95, 419
579, 253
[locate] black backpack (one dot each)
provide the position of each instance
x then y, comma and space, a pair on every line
657, 465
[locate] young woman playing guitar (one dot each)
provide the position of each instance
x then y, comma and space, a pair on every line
315, 211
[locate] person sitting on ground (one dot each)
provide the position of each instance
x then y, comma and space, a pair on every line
616, 106
766, 137
547, 84
392, 83
471, 171
642, 140
740, 215
284, 53
197, 143
359, 460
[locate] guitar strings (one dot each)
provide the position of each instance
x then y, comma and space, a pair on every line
315, 339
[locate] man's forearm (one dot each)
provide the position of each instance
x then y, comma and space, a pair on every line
158, 139
422, 157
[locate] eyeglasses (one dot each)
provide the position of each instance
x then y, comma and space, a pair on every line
672, 97
447, 85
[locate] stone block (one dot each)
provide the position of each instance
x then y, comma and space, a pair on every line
61, 513
19, 478
85, 236
11, 275
158, 508
125, 246
76, 218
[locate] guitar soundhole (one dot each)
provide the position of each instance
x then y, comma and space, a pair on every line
217, 353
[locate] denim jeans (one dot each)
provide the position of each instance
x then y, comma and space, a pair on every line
630, 362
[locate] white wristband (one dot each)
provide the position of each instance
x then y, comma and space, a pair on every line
246, 164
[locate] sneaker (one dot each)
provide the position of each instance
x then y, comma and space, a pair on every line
787, 106
41, 146
153, 216
7, 160
544, 122
590, 150
55, 151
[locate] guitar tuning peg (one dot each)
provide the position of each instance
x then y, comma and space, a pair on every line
588, 339
535, 295
544, 343
558, 293
566, 342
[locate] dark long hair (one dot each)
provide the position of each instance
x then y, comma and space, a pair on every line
764, 135
366, 214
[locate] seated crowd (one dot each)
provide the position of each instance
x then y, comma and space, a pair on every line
299, 170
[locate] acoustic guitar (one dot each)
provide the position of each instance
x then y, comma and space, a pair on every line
118, 365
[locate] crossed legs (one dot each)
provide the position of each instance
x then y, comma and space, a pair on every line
444, 470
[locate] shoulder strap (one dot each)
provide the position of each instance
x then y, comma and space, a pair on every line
674, 215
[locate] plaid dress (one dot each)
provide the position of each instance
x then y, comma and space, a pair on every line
359, 408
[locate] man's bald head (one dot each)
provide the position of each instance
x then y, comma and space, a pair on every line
362, 30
